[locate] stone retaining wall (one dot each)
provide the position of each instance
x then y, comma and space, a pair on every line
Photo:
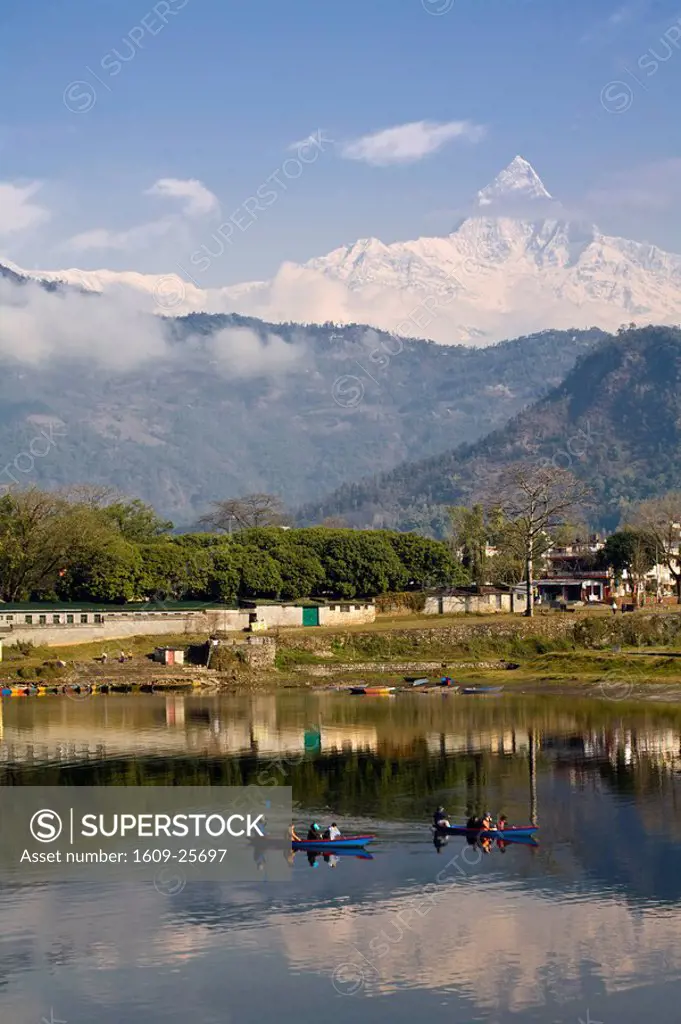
550, 628
410, 667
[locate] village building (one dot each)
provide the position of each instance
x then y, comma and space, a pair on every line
575, 588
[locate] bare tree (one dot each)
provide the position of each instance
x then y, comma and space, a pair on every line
661, 519
534, 502
244, 513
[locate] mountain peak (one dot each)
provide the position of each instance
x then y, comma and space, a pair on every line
517, 181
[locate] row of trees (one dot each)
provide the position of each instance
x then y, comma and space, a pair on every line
88, 545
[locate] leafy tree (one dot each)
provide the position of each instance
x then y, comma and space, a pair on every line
259, 574
427, 563
136, 521
224, 576
360, 563
172, 571
109, 574
470, 536
39, 534
631, 552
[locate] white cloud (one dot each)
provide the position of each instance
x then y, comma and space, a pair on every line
407, 143
200, 200
197, 201
111, 329
16, 212
240, 352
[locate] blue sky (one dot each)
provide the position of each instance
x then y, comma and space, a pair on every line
157, 149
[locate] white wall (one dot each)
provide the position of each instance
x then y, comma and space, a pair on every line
119, 625
280, 614
473, 603
334, 616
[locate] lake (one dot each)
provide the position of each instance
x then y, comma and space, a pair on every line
583, 927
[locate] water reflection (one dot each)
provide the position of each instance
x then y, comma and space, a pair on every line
586, 921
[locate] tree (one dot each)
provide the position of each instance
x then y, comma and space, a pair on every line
470, 535
533, 502
225, 574
260, 576
136, 520
632, 552
173, 571
427, 562
661, 519
243, 513
40, 534
106, 573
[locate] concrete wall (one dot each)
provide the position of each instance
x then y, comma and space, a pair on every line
119, 625
279, 614
342, 614
461, 604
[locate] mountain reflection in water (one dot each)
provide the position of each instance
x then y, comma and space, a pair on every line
584, 926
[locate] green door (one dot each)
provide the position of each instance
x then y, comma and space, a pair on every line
310, 616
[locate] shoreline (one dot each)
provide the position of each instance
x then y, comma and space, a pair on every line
637, 658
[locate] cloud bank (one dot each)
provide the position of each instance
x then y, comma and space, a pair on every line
117, 331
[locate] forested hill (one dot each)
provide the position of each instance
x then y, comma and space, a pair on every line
225, 405
615, 421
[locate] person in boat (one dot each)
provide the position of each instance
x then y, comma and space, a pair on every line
314, 832
292, 834
440, 819
487, 823
332, 832
502, 822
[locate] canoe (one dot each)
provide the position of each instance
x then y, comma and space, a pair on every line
318, 845
416, 680
481, 689
372, 691
329, 845
510, 832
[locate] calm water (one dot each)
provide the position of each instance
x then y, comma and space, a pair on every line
584, 927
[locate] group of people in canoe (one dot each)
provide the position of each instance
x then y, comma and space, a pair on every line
314, 833
483, 823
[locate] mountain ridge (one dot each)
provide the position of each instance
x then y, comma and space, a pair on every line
222, 405
614, 421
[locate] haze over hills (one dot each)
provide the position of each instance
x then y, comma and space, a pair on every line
182, 412
615, 422
515, 263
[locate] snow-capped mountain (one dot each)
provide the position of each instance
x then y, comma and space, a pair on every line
513, 265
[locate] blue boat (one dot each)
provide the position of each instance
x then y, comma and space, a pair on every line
329, 845
509, 833
318, 845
